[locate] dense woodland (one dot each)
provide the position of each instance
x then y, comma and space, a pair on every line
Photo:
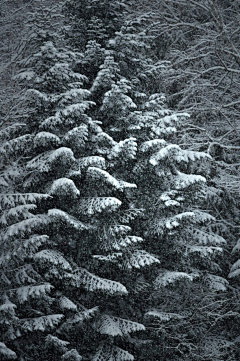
120, 180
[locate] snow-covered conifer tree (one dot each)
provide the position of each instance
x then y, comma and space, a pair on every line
86, 234
171, 188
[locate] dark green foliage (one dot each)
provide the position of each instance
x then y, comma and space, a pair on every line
94, 20
109, 249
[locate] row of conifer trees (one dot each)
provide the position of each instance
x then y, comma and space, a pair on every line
109, 249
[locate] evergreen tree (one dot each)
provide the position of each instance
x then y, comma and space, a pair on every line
190, 249
94, 20
84, 213
174, 226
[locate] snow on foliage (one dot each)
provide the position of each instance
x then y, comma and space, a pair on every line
139, 259
235, 269
115, 326
7, 353
174, 152
94, 173
7, 306
183, 180
66, 304
113, 257
110, 353
25, 227
106, 76
104, 141
91, 161
203, 217
125, 241
126, 149
73, 95
77, 136
51, 123
162, 316
46, 139
91, 206
25, 293
51, 257
42, 323
82, 278
188, 155
115, 99
17, 213
25, 75
76, 110
171, 203
16, 145
216, 283
205, 252
71, 355
63, 187
119, 229
55, 342
44, 162
22, 249
58, 216
61, 72
167, 152
236, 248
206, 238
177, 220
152, 145
40, 98
168, 278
